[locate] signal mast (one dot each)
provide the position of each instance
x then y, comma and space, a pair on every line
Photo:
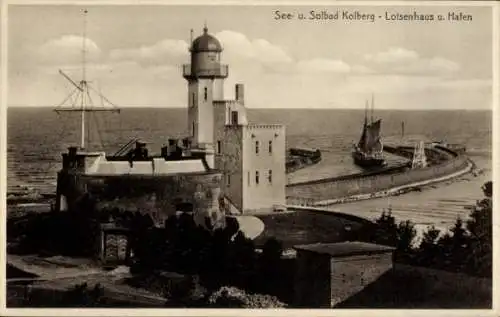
80, 96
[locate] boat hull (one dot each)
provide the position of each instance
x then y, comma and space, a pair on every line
368, 161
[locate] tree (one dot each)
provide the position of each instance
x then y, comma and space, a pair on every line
400, 236
465, 248
406, 234
480, 228
429, 252
271, 268
386, 231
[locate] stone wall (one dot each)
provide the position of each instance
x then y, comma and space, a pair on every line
157, 196
340, 187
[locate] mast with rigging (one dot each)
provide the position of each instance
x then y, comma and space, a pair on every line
81, 93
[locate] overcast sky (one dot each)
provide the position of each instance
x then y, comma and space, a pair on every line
135, 53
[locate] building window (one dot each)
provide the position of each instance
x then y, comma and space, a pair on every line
248, 178
219, 147
193, 130
256, 147
256, 177
205, 93
270, 176
228, 179
234, 117
270, 146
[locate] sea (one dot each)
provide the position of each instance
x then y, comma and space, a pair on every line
38, 136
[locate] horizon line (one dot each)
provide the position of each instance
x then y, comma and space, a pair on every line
264, 108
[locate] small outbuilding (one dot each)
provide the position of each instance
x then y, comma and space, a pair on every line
329, 273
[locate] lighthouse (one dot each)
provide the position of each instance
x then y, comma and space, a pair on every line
250, 156
205, 76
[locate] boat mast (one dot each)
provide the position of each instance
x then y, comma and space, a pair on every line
366, 113
373, 106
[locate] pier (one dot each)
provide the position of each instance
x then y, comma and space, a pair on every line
444, 164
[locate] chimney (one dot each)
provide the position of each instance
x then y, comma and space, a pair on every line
186, 144
72, 150
240, 93
172, 143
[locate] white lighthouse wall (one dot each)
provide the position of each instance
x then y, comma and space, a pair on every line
218, 93
200, 111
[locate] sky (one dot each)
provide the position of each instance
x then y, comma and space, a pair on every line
134, 56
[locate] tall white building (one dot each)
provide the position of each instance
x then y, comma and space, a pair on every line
251, 156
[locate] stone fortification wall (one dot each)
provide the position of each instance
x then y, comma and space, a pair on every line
339, 187
158, 196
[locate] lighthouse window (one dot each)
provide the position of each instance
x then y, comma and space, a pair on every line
256, 177
234, 117
212, 57
256, 147
219, 146
270, 176
248, 178
206, 93
270, 146
193, 101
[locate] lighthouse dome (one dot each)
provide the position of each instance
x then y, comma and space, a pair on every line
206, 43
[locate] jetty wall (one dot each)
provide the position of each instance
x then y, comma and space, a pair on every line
339, 187
298, 158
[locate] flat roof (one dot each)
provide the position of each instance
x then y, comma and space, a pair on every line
346, 248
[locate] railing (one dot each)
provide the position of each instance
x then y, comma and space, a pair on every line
265, 126
225, 102
300, 201
215, 71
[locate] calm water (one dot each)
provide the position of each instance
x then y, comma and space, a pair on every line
36, 138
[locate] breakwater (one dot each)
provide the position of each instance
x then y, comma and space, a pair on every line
367, 185
298, 158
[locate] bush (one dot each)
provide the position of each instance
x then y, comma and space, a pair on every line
66, 233
232, 297
219, 257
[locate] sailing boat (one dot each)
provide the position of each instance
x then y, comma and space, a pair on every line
368, 152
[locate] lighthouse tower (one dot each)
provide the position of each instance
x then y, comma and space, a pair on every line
250, 156
205, 76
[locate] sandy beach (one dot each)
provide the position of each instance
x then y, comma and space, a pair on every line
439, 205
